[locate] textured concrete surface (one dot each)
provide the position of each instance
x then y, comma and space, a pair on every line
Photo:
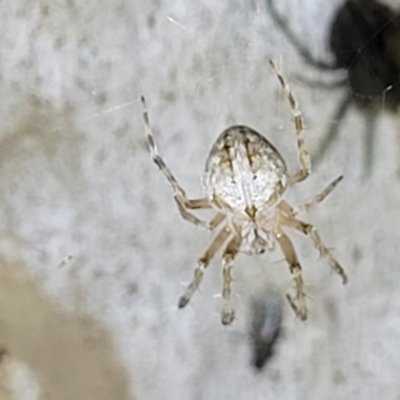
90, 223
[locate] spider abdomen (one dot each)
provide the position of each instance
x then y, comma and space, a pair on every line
244, 171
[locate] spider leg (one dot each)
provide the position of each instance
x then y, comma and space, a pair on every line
293, 39
304, 157
310, 231
228, 314
216, 220
288, 210
298, 302
202, 264
183, 202
318, 197
333, 129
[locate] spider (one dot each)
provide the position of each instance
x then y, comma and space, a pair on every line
244, 180
365, 42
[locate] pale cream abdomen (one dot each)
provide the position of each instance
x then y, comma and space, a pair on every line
244, 170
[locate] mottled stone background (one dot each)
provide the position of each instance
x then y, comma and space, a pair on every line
93, 252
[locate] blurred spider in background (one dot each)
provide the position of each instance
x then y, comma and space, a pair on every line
365, 41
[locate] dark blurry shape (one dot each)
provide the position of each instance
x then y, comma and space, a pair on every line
3, 352
359, 42
365, 41
266, 311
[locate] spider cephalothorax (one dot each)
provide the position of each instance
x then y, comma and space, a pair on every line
244, 180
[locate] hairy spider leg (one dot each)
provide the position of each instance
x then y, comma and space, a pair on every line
318, 198
202, 264
228, 314
183, 202
304, 157
288, 210
298, 302
310, 231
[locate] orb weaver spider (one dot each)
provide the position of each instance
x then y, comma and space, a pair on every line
244, 180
